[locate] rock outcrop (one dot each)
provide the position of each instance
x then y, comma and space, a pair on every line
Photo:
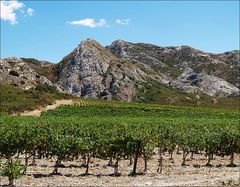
92, 71
192, 82
212, 74
16, 72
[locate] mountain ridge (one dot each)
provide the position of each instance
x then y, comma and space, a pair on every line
120, 70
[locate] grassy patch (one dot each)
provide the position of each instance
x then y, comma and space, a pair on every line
160, 94
14, 100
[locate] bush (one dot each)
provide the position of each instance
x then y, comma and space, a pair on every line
12, 170
45, 88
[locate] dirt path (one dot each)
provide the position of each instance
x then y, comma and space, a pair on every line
38, 112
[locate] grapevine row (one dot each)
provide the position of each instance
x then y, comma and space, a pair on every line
114, 139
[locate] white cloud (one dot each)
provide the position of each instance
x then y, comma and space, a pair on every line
30, 11
8, 9
122, 21
89, 22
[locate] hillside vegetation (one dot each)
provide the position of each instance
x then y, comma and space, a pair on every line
16, 100
160, 94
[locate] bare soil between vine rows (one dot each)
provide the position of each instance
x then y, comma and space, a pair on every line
196, 174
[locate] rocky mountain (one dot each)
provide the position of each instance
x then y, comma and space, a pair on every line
92, 71
126, 71
183, 67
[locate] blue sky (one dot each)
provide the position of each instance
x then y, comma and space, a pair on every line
49, 30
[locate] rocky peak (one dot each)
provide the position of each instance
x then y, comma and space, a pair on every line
92, 71
120, 42
80, 72
118, 48
89, 42
89, 48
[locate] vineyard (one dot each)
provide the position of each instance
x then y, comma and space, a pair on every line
117, 133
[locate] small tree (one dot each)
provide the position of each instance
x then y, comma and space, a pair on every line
230, 144
12, 170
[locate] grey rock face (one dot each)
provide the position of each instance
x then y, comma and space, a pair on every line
232, 57
119, 47
16, 72
192, 82
92, 71
181, 67
81, 72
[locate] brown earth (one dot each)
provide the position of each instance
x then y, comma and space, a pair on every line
38, 112
100, 174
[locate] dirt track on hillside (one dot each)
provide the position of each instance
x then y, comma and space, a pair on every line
38, 112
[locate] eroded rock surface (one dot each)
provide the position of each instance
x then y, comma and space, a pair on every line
183, 67
16, 72
92, 71
192, 82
